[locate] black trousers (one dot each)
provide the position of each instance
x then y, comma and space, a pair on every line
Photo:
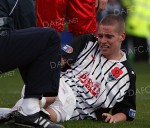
36, 52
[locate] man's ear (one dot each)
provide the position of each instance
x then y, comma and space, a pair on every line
122, 36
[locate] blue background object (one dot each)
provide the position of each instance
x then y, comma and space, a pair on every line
66, 37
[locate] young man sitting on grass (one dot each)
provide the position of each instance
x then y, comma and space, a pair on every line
97, 79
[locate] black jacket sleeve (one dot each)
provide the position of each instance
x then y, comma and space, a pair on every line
4, 8
128, 104
24, 14
21, 12
77, 45
6, 21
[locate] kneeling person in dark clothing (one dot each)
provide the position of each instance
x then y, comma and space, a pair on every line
31, 50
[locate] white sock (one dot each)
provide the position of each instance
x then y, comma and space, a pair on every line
17, 105
23, 91
30, 106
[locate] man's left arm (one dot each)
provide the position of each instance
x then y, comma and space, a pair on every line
126, 109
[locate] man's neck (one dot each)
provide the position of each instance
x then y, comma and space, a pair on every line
116, 57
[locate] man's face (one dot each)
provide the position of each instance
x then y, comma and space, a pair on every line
110, 41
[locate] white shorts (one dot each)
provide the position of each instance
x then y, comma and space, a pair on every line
65, 102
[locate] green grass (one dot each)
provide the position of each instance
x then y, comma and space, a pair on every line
11, 84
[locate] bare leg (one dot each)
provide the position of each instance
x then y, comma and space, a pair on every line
49, 101
53, 115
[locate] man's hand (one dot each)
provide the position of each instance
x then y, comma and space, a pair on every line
108, 118
100, 5
114, 118
63, 62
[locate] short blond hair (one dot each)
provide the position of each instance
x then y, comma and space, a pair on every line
112, 19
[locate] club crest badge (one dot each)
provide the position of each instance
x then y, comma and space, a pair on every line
114, 74
67, 49
132, 113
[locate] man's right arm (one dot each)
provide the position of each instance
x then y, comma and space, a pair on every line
71, 51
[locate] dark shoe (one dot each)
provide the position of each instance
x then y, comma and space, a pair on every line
7, 117
37, 120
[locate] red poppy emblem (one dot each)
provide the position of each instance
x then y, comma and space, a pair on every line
116, 72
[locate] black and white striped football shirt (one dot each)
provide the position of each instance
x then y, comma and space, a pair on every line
96, 81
